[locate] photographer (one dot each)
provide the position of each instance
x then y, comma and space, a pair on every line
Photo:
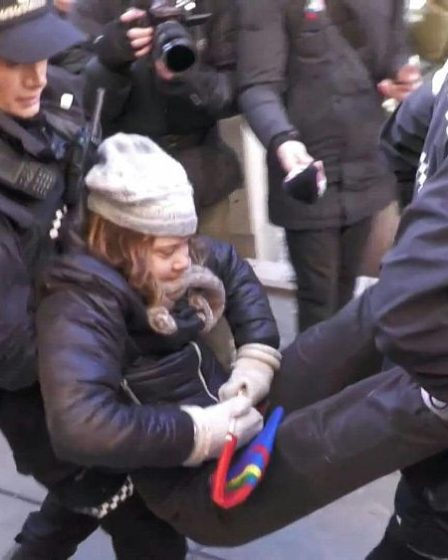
179, 110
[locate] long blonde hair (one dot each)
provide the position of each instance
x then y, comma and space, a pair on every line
127, 251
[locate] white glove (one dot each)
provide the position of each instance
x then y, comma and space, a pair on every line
252, 373
212, 424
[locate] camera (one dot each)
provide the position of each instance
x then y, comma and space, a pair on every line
173, 43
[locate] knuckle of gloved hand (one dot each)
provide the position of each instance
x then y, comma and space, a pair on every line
241, 405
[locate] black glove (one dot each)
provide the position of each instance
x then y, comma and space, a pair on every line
113, 47
189, 326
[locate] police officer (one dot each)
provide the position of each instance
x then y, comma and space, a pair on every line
40, 123
412, 308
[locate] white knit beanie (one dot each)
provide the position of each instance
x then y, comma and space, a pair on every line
138, 186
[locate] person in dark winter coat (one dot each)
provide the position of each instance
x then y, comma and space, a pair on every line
41, 123
412, 310
129, 384
122, 326
177, 110
309, 78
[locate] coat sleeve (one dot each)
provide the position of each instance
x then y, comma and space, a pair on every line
247, 306
410, 300
81, 355
403, 137
18, 364
262, 59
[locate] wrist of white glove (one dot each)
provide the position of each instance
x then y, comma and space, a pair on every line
212, 425
252, 373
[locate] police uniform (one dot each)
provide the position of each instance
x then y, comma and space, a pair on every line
36, 210
32, 212
411, 308
40, 192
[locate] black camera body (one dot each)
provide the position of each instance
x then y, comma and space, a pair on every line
173, 43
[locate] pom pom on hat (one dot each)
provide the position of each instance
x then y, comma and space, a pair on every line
138, 186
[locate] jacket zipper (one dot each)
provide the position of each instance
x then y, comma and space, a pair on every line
129, 392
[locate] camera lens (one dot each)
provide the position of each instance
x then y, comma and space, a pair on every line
173, 44
178, 57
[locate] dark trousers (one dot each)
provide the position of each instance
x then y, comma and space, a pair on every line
420, 521
54, 532
326, 263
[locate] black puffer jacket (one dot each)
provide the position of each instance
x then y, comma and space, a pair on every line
89, 327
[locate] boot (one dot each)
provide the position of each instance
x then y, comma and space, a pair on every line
391, 549
52, 533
